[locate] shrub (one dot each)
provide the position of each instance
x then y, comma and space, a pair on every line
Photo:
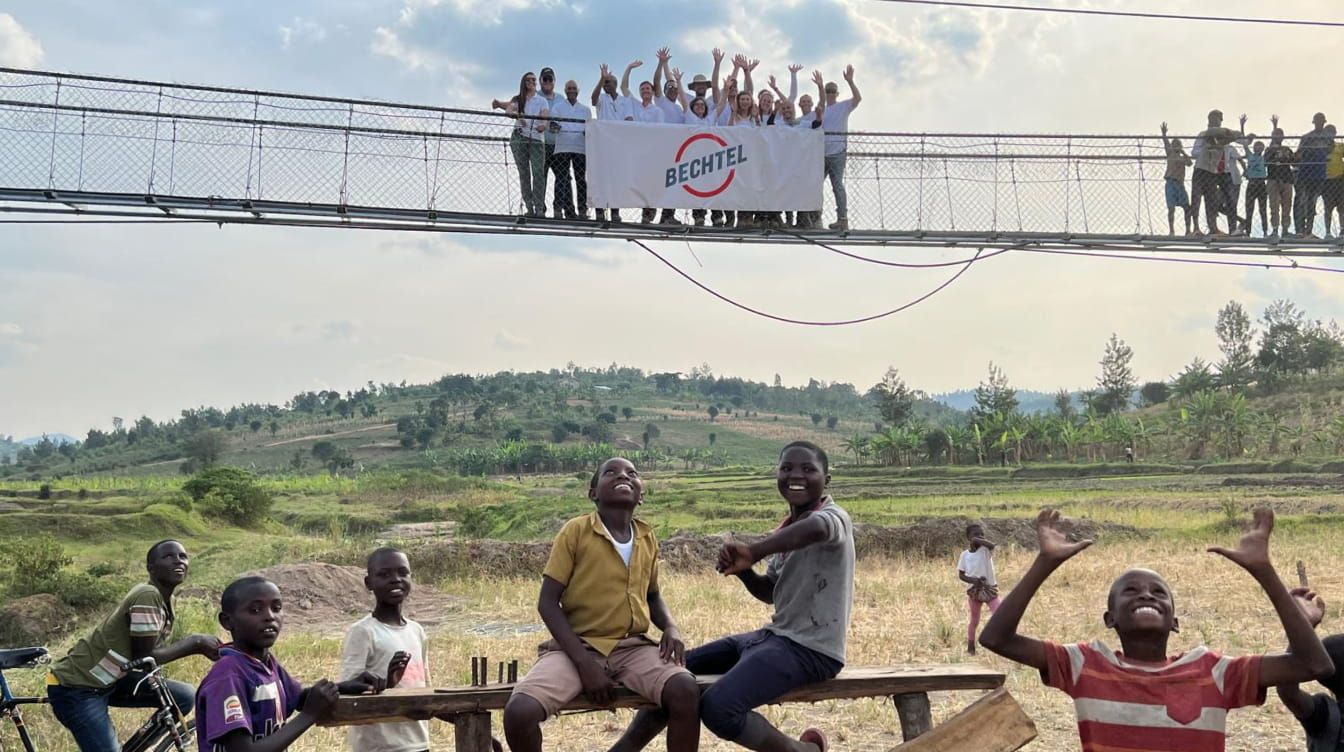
44, 491
181, 500
38, 564
230, 493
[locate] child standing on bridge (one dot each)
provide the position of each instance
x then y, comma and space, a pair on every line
1139, 697
599, 594
976, 569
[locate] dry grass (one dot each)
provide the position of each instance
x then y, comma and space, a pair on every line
905, 611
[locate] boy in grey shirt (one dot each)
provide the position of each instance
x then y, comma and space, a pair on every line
810, 581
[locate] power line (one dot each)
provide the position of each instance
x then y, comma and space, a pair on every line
1123, 13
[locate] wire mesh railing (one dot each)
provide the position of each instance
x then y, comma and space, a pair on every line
92, 136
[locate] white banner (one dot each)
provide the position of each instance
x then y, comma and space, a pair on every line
650, 165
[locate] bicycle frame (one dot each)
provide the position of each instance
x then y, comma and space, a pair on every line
167, 719
9, 708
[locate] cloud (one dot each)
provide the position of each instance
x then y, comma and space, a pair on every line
18, 48
510, 343
13, 344
301, 30
340, 331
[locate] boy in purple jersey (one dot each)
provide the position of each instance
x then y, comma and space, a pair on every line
244, 701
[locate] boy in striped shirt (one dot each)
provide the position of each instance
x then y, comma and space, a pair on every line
1139, 698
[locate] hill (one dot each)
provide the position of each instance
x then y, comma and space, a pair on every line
1028, 401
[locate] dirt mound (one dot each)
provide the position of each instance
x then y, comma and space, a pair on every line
935, 536
35, 620
323, 597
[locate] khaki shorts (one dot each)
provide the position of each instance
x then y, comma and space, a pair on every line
634, 663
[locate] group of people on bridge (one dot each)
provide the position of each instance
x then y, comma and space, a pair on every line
548, 137
1286, 185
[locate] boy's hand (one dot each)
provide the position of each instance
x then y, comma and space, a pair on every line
1252, 551
596, 683
735, 557
320, 700
1164, 127
982, 542
396, 668
671, 648
1310, 604
1054, 544
365, 683
206, 645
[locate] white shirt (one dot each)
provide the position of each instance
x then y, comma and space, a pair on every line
836, 119
625, 549
534, 107
671, 109
650, 113
614, 108
570, 138
1230, 156
690, 118
369, 646
978, 563
805, 121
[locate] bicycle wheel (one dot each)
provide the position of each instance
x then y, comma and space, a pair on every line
158, 738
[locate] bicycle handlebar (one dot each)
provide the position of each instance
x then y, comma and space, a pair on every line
141, 664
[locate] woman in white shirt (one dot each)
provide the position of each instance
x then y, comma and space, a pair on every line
696, 111
528, 142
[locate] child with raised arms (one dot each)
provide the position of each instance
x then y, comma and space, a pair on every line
599, 596
1139, 697
245, 702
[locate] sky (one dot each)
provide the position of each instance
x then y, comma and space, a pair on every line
97, 322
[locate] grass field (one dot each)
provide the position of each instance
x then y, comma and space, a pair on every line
908, 608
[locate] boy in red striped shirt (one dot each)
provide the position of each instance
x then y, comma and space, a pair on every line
1138, 698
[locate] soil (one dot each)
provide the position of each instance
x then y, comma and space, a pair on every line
1304, 481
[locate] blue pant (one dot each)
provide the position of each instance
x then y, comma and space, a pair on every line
83, 710
757, 668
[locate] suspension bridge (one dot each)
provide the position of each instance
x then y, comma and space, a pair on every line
92, 147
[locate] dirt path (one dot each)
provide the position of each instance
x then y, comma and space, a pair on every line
329, 435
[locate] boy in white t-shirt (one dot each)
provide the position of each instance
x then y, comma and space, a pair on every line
976, 569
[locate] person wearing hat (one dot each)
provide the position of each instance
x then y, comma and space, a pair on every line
551, 96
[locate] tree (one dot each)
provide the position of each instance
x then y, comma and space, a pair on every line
713, 413
627, 412
713, 437
206, 447
231, 493
255, 426
1116, 383
816, 419
651, 432
338, 460
831, 421
1235, 336
895, 401
1281, 340
608, 418
274, 428
994, 397
858, 445
1154, 393
323, 451
1194, 378
779, 383
1064, 405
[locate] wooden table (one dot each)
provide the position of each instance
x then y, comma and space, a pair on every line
908, 686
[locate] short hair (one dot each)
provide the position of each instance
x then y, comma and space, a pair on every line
1115, 586
649, 84
368, 563
1334, 647
970, 525
816, 451
149, 555
232, 596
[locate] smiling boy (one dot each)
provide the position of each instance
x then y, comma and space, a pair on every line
1139, 698
599, 595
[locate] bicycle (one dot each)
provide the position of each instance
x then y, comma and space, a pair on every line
166, 730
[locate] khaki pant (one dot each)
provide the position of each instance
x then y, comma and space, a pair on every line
1280, 204
553, 681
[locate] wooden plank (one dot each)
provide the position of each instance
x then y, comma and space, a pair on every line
852, 683
913, 711
994, 723
472, 732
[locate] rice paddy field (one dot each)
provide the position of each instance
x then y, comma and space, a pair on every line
474, 544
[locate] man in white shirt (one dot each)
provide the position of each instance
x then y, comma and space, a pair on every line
835, 120
570, 153
647, 110
611, 105
548, 93
669, 101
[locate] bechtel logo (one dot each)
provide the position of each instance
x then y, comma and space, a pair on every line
696, 169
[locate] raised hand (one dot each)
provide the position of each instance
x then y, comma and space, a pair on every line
1164, 127
1274, 120
1252, 551
849, 73
1054, 544
751, 64
634, 64
794, 68
718, 55
1243, 121
1310, 604
664, 54
605, 71
740, 60
771, 81
818, 79
676, 76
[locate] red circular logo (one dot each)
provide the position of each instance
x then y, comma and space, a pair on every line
726, 181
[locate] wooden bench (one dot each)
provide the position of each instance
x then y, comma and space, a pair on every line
994, 723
